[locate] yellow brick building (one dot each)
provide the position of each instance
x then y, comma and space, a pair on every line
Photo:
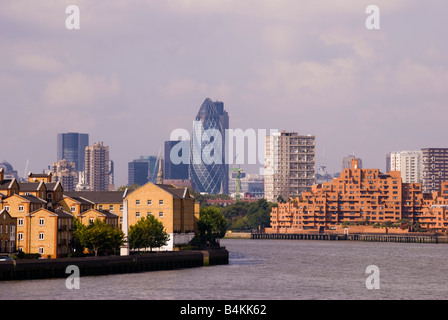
173, 206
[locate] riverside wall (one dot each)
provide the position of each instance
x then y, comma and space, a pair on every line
406, 238
90, 266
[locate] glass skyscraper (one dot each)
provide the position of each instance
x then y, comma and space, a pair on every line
71, 147
209, 172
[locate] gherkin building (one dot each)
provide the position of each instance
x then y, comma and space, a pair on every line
209, 172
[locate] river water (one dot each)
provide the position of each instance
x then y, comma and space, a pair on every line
272, 270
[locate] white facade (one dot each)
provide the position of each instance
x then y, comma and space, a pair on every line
409, 163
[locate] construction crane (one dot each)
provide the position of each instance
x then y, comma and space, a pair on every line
237, 182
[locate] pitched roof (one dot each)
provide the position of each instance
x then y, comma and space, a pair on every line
97, 196
177, 192
30, 186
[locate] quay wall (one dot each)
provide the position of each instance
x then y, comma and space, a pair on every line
406, 238
155, 261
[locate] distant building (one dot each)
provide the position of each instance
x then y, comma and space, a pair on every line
289, 165
71, 147
65, 172
435, 168
9, 172
210, 178
347, 162
142, 170
171, 170
251, 185
409, 163
97, 167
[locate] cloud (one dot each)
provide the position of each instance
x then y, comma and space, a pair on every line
78, 89
38, 63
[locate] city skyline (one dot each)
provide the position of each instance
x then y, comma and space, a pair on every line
312, 68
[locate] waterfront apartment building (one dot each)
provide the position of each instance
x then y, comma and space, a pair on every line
361, 196
97, 167
289, 165
409, 163
434, 168
71, 147
173, 206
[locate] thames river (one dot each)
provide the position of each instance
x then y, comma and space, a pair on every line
272, 270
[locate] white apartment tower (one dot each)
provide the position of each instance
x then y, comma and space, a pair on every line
408, 162
289, 165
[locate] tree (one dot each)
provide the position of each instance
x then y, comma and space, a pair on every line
99, 237
148, 233
212, 225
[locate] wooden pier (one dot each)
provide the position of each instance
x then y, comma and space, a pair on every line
352, 237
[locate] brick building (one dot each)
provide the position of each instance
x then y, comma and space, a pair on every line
361, 196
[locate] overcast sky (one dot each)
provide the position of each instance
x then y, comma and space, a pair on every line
136, 70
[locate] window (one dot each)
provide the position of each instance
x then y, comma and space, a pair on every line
160, 214
20, 222
41, 221
137, 202
100, 207
121, 207
20, 208
41, 250
91, 220
20, 236
111, 207
72, 208
148, 213
137, 214
41, 236
161, 202
149, 202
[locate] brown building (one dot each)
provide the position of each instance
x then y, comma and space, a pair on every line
361, 196
434, 168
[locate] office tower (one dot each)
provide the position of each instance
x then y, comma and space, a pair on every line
289, 165
409, 163
71, 147
142, 170
435, 168
174, 171
64, 172
97, 167
138, 172
209, 172
347, 162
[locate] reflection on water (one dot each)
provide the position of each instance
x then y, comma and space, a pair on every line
272, 270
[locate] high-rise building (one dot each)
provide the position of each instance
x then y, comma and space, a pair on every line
435, 168
64, 172
71, 147
289, 165
138, 172
142, 170
209, 172
97, 167
409, 163
171, 170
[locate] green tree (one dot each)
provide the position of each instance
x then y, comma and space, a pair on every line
147, 233
99, 237
212, 225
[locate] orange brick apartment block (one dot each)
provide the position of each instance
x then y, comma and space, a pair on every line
361, 195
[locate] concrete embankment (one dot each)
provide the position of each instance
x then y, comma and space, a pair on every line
56, 268
406, 238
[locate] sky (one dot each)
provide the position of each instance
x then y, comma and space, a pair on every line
137, 70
